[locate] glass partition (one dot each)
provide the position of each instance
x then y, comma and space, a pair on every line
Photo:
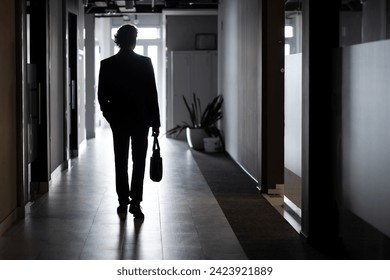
363, 21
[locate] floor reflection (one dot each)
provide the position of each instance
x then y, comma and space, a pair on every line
77, 219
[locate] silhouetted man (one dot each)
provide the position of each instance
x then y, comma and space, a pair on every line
128, 99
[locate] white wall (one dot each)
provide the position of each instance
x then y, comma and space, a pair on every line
366, 132
104, 49
293, 113
240, 80
293, 132
103, 37
228, 72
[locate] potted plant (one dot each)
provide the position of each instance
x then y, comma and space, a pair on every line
202, 124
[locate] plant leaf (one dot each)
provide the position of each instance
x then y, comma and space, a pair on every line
206, 119
190, 111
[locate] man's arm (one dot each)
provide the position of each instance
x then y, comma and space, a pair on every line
153, 100
103, 92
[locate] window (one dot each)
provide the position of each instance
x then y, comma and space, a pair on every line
363, 21
149, 33
148, 44
144, 33
292, 32
287, 50
288, 31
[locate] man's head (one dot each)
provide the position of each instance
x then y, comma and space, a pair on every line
126, 36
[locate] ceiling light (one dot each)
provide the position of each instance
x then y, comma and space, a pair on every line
124, 10
101, 4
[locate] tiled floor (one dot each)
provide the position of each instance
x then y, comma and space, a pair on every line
77, 218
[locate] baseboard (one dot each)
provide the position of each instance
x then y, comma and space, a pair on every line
278, 190
9, 221
258, 185
63, 166
277, 199
293, 207
38, 189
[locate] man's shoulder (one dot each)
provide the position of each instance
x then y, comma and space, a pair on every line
108, 59
141, 57
120, 59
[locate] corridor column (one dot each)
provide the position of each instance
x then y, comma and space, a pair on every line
319, 207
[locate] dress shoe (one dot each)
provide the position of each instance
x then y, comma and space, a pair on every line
135, 209
122, 211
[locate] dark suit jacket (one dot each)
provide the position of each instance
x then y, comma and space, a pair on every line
127, 90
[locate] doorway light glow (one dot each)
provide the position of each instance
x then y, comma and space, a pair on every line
144, 33
288, 31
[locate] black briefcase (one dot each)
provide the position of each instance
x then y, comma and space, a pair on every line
156, 166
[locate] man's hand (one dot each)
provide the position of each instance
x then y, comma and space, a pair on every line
155, 131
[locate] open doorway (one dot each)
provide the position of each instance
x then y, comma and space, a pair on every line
293, 114
149, 43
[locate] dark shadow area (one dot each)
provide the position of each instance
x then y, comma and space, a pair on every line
261, 230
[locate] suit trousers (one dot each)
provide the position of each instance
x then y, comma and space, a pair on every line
122, 136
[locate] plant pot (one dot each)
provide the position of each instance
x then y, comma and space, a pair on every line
195, 138
212, 144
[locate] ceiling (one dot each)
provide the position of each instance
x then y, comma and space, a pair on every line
345, 5
125, 7
118, 8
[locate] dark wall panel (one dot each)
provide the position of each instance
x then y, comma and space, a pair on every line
56, 85
181, 30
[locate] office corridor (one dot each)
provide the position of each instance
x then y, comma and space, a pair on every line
186, 216
77, 218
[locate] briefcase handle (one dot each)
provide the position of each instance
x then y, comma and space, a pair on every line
156, 145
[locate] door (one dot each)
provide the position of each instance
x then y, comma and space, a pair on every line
37, 97
72, 93
149, 44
